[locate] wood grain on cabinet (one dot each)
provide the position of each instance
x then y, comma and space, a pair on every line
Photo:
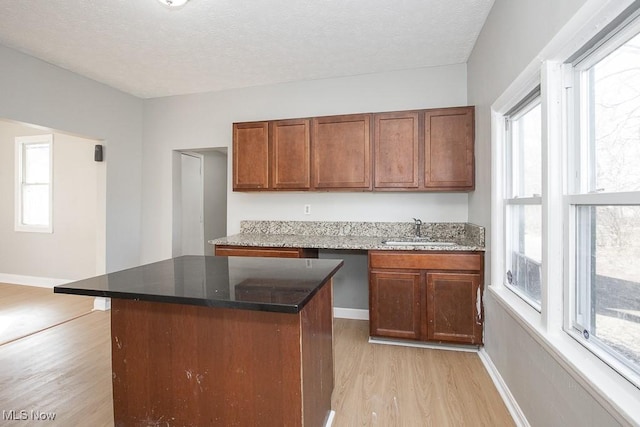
426, 296
425, 150
426, 260
449, 149
230, 366
291, 154
394, 298
341, 152
255, 251
396, 145
251, 156
454, 307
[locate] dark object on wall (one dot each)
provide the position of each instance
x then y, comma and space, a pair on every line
97, 155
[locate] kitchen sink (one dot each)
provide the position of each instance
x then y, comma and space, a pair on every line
415, 241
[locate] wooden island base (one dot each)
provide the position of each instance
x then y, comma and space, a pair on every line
188, 365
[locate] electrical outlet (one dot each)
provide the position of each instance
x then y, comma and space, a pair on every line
307, 209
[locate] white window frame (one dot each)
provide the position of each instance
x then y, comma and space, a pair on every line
20, 143
579, 194
522, 107
608, 387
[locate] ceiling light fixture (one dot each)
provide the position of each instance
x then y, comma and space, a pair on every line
173, 3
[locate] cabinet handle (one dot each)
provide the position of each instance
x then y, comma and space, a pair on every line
479, 304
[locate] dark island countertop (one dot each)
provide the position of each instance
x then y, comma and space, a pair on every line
263, 284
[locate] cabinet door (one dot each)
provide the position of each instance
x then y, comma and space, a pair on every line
290, 154
448, 149
395, 142
454, 307
341, 152
251, 156
394, 304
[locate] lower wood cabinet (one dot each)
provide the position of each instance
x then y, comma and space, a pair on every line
454, 311
416, 296
259, 251
395, 304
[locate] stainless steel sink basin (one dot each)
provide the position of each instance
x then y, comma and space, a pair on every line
415, 242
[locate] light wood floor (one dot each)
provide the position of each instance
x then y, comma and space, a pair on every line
25, 310
384, 385
66, 369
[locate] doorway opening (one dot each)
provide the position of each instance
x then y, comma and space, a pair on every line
199, 199
75, 246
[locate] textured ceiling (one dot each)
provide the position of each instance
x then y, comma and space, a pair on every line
148, 50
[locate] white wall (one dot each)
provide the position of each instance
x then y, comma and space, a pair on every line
35, 92
205, 120
70, 252
514, 33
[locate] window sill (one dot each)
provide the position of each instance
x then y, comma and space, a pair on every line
615, 393
33, 229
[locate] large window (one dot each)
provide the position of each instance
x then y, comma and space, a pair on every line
603, 201
523, 188
566, 201
33, 183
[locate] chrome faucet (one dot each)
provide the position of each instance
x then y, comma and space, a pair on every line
418, 225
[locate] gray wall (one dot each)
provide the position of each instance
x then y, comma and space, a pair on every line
39, 93
513, 35
205, 120
70, 252
215, 197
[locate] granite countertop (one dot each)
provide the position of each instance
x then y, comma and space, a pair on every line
263, 284
354, 235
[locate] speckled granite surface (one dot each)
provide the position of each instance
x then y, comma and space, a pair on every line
353, 235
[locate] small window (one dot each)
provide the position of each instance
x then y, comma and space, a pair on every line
34, 155
604, 199
523, 203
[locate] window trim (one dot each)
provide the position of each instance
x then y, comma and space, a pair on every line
579, 172
20, 142
517, 110
610, 389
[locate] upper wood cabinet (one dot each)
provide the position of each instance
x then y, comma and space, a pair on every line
290, 154
272, 155
250, 156
341, 152
449, 149
425, 150
396, 145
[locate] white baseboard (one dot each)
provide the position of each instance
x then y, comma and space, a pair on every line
503, 389
41, 282
350, 313
102, 303
419, 344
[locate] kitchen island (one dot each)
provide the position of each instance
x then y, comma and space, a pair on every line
220, 340
423, 282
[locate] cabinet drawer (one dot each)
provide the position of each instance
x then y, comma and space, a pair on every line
425, 260
253, 251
